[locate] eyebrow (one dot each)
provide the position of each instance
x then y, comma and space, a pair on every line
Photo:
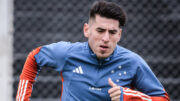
100, 28
113, 30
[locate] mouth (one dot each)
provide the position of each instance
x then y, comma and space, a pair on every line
103, 47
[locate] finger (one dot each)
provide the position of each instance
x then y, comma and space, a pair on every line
116, 98
111, 83
114, 89
116, 93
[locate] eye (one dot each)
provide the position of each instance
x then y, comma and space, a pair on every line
112, 32
99, 30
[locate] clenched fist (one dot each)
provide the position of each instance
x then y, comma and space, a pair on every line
115, 91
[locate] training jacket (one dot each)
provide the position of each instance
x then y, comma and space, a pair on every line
85, 78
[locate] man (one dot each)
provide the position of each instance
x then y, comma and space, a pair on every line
97, 70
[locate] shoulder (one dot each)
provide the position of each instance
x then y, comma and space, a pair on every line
62, 45
58, 45
128, 55
78, 46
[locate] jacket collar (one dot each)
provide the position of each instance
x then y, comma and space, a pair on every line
94, 55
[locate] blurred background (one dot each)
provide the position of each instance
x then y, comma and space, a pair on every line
152, 31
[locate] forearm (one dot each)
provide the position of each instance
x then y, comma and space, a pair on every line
27, 77
132, 95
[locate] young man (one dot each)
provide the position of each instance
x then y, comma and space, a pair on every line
97, 70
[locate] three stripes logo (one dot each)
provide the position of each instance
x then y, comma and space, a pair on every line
78, 70
22, 90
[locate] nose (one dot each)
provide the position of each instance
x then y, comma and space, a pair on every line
106, 37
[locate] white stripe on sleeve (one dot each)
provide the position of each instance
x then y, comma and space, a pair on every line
21, 91
147, 99
24, 92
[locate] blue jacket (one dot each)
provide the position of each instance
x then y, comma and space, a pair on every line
85, 78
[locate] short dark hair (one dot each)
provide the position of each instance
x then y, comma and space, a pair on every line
108, 10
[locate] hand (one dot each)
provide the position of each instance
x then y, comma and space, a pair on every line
115, 91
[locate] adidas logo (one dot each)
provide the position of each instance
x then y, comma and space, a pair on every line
78, 70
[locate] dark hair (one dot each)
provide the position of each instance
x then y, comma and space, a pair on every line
108, 10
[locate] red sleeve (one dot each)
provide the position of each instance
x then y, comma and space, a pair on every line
27, 77
132, 95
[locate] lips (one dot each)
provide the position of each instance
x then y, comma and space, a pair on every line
103, 46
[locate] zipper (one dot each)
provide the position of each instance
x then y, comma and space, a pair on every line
100, 63
99, 66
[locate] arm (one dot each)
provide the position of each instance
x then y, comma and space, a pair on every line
126, 94
27, 77
45, 56
148, 86
132, 95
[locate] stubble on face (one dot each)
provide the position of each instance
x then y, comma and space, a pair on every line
103, 35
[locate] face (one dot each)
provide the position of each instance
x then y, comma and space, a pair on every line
103, 35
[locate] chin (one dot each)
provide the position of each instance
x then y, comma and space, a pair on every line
102, 56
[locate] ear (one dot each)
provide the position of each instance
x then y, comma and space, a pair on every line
119, 35
86, 30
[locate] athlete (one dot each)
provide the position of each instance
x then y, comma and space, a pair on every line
96, 70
